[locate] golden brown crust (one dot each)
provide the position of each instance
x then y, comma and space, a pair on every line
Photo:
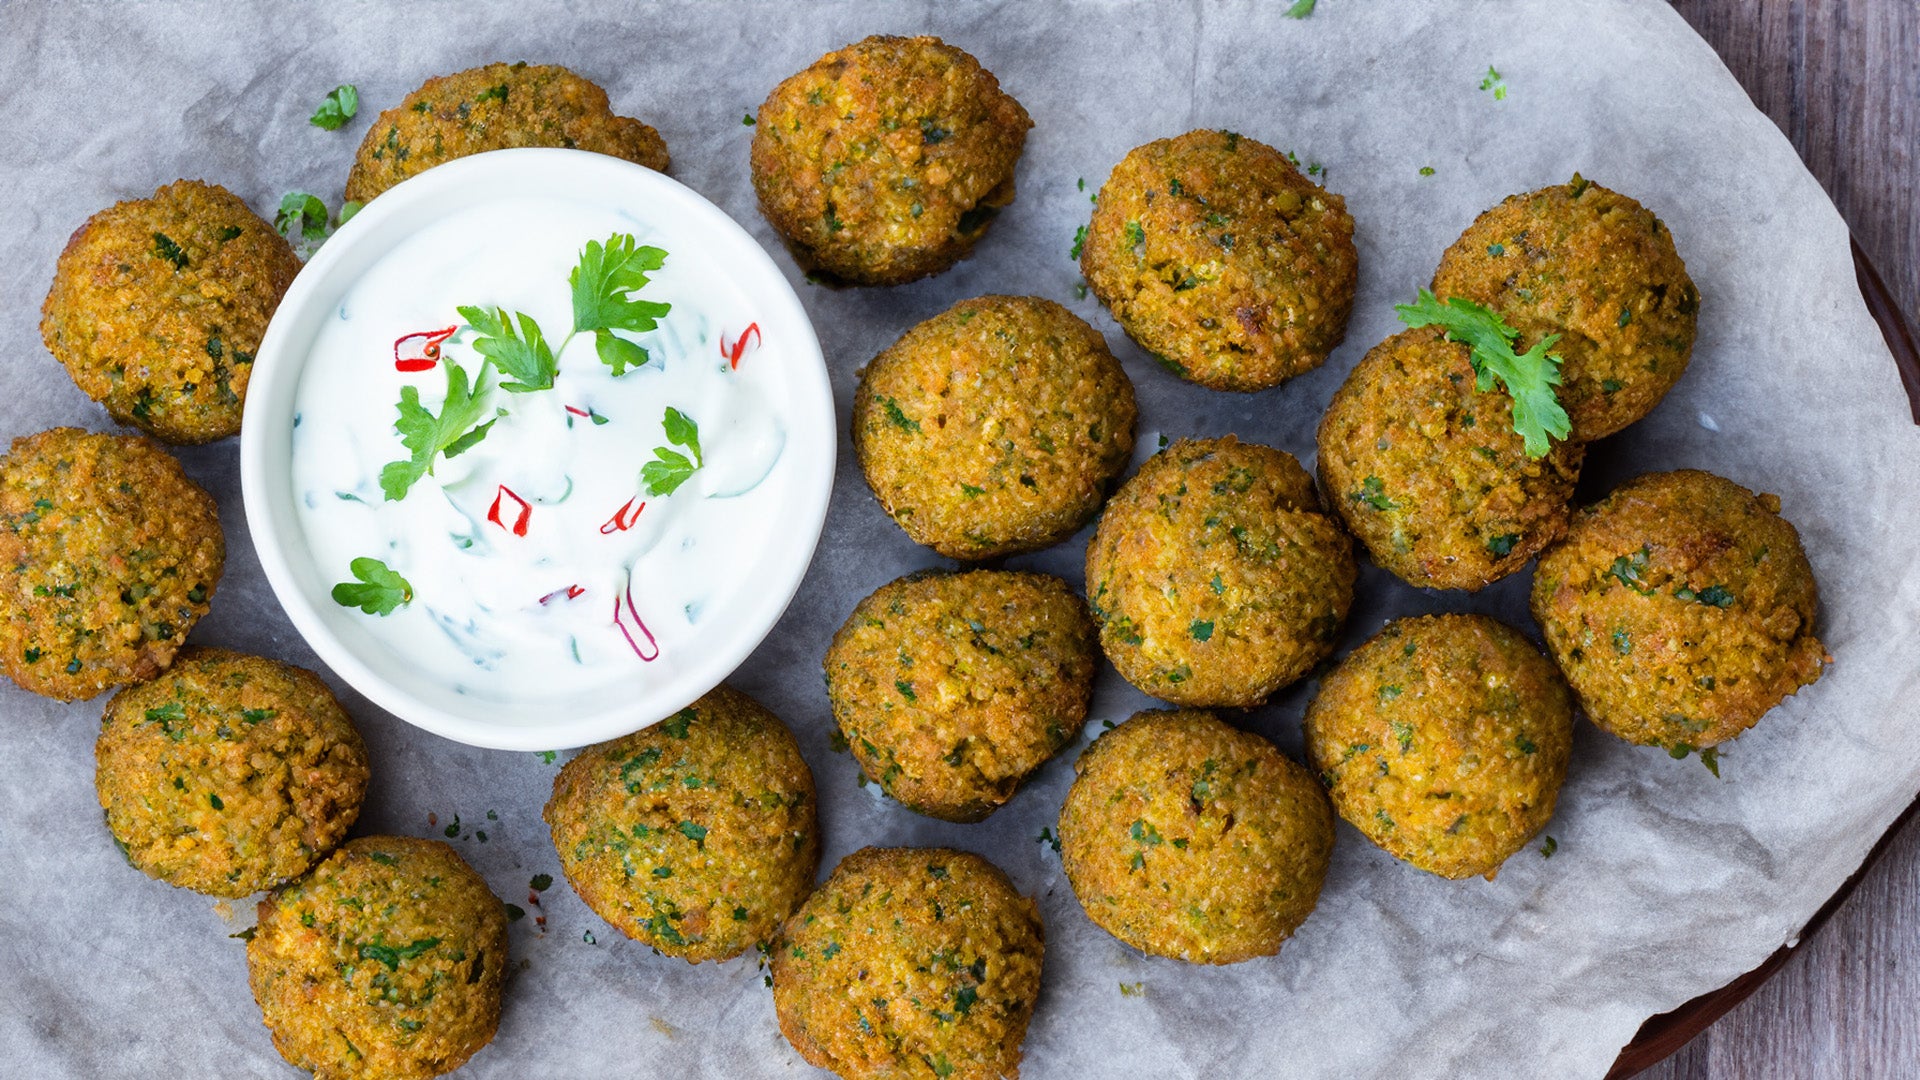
385, 963
1185, 837
994, 427
886, 160
158, 307
230, 773
1681, 608
1444, 739
696, 836
910, 964
496, 107
1600, 270
114, 552
1214, 575
1222, 260
952, 688
1428, 472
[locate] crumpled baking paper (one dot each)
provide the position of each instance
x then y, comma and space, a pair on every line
1667, 882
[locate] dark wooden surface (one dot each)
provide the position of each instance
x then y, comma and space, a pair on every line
1842, 79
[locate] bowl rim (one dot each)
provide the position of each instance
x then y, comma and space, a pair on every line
272, 521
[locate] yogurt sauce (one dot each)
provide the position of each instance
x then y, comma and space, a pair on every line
541, 563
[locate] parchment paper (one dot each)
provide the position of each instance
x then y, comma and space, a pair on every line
1667, 881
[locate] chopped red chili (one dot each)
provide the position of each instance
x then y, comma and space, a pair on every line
569, 593
622, 520
735, 351
577, 411
519, 526
651, 651
420, 350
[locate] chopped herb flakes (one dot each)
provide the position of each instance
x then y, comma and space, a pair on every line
1492, 81
339, 106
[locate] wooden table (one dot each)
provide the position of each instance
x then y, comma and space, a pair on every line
1842, 79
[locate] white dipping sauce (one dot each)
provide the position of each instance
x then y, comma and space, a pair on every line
520, 619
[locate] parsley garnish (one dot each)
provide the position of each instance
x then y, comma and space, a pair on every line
601, 284
379, 590
1529, 377
664, 476
524, 358
1301, 9
1495, 83
301, 216
338, 107
1547, 849
427, 435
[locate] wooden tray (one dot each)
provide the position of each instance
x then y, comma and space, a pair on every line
1662, 1035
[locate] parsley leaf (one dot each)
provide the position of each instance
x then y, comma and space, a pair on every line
601, 301
1495, 83
338, 107
1301, 9
425, 435
524, 358
379, 590
301, 216
664, 476
1529, 377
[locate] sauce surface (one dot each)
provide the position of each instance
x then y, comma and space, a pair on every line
541, 558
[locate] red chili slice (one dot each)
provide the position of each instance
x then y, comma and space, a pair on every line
735, 351
621, 520
651, 651
569, 593
420, 350
519, 526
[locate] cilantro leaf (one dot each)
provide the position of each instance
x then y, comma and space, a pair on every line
1529, 377
664, 477
338, 107
378, 592
301, 216
425, 435
617, 352
601, 283
682, 431
673, 468
525, 358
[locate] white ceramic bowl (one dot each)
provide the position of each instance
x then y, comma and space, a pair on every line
340, 636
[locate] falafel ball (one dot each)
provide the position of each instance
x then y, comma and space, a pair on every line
1221, 259
1445, 740
994, 427
1681, 608
951, 688
886, 160
1598, 269
115, 555
230, 773
1429, 473
158, 307
1185, 837
385, 962
696, 836
1214, 575
496, 107
910, 962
